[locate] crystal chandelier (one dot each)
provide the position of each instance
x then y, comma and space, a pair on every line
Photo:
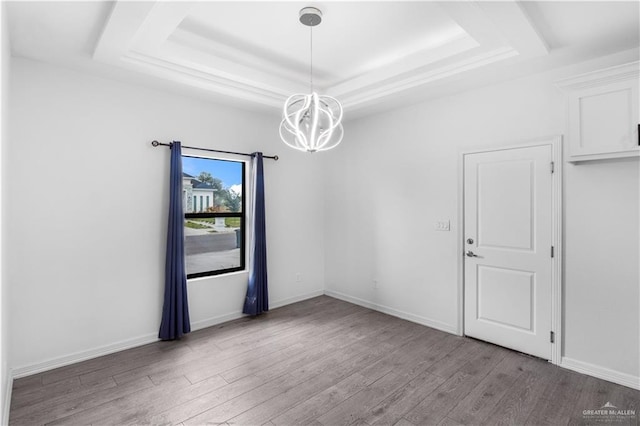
311, 122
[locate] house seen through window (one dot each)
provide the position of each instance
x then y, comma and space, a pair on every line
213, 200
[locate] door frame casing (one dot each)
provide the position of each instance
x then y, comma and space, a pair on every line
555, 142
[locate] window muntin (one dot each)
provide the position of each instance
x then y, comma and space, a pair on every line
213, 200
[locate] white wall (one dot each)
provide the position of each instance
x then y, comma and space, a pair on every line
396, 174
86, 264
4, 283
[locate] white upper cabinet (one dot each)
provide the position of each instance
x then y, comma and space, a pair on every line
603, 113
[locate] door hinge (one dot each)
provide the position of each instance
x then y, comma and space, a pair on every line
552, 251
552, 337
553, 167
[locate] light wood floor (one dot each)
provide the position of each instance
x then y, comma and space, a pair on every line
317, 362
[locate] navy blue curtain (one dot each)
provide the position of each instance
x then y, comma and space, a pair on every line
175, 311
257, 300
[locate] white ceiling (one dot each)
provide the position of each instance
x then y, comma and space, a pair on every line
369, 55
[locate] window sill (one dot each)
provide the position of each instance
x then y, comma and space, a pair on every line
209, 277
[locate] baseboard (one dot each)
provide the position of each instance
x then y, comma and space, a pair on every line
209, 322
438, 325
6, 404
294, 299
603, 373
238, 314
83, 355
142, 340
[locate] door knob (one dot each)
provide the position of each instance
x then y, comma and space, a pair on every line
471, 254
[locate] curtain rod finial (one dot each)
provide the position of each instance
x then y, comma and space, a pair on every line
155, 143
275, 157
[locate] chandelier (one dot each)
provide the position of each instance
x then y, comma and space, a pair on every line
311, 122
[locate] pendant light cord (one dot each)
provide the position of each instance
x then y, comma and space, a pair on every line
311, 58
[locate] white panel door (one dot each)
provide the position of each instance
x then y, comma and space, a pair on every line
508, 238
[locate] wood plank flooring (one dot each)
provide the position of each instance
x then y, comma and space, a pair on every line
318, 362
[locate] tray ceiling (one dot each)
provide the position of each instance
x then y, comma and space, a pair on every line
363, 52
260, 51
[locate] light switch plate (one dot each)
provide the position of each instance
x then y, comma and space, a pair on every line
442, 225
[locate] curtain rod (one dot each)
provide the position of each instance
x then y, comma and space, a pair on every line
156, 143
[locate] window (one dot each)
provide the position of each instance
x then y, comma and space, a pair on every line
214, 232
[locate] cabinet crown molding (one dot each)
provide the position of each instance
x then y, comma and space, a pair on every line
604, 76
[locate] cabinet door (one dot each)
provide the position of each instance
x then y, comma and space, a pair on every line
603, 121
